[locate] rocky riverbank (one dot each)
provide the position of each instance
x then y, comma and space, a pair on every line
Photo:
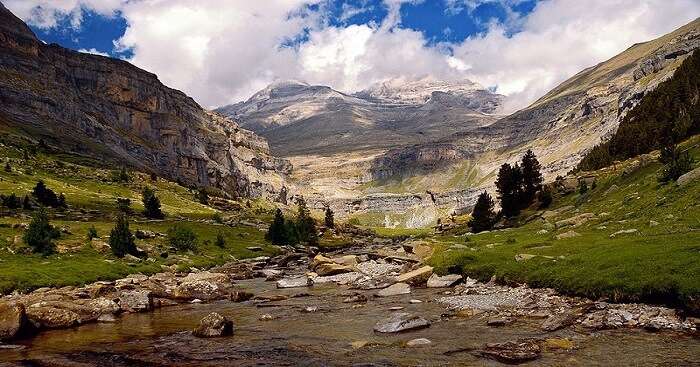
360, 277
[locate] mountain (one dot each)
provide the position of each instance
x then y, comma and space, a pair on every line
300, 119
110, 110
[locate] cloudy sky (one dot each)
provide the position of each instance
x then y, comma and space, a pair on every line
222, 51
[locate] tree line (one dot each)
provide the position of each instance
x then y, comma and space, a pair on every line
301, 229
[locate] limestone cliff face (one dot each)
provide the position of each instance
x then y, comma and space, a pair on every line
112, 110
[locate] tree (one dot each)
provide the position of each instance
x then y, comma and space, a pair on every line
8, 168
278, 231
306, 225
40, 234
151, 204
532, 177
44, 195
676, 162
10, 201
92, 233
61, 202
182, 238
124, 205
27, 203
202, 197
544, 196
329, 220
509, 187
483, 216
121, 240
121, 176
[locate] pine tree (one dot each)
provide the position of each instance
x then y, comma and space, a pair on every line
27, 203
40, 234
277, 233
44, 195
220, 241
124, 205
8, 168
329, 220
483, 216
151, 204
61, 202
532, 177
121, 240
306, 225
676, 163
509, 187
202, 197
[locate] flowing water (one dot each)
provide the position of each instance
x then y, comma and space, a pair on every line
325, 337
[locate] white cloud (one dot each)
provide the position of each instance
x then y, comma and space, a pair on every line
222, 51
93, 51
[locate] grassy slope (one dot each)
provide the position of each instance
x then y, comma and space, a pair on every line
658, 263
90, 190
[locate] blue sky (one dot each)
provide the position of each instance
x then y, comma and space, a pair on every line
223, 51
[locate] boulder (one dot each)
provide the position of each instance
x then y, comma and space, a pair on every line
559, 321
135, 301
296, 282
436, 281
348, 260
213, 325
327, 269
12, 319
143, 234
569, 234
511, 352
575, 221
48, 317
400, 321
200, 289
318, 260
208, 276
418, 342
395, 290
416, 277
689, 177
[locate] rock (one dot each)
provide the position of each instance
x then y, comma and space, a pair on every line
12, 319
357, 297
624, 231
376, 269
416, 277
436, 281
254, 248
213, 325
272, 274
100, 246
302, 281
327, 269
135, 301
132, 259
418, 342
265, 317
575, 221
348, 260
208, 276
396, 308
400, 321
500, 321
556, 343
310, 309
542, 231
318, 260
201, 289
415, 301
394, 290
689, 177
240, 296
558, 321
511, 352
143, 234
48, 317
524, 257
569, 234
342, 279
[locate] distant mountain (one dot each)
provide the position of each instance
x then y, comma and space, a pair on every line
110, 110
299, 118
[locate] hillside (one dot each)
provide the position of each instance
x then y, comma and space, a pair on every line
110, 110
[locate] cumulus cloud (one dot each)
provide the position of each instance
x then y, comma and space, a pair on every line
93, 51
221, 52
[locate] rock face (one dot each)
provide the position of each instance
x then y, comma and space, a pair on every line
110, 109
213, 325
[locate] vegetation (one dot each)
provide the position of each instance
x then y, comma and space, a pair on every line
40, 234
278, 232
483, 215
121, 240
10, 201
329, 220
305, 224
676, 163
151, 204
121, 176
92, 233
47, 197
220, 241
182, 238
666, 115
202, 197
518, 185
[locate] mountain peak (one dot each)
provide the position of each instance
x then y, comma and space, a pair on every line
412, 91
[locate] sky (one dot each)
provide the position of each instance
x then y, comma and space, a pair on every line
223, 51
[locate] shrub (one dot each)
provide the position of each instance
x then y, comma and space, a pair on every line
92, 233
11, 201
124, 205
329, 220
182, 238
582, 187
40, 234
483, 216
27, 203
121, 176
544, 196
45, 196
677, 163
220, 242
121, 240
151, 204
8, 168
305, 224
202, 197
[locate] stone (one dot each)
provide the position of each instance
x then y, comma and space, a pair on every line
415, 301
272, 274
12, 319
265, 317
48, 317
419, 342
416, 277
558, 321
302, 281
357, 297
400, 321
376, 269
143, 234
499, 321
623, 231
569, 234
213, 325
254, 248
327, 269
348, 260
318, 260
557, 343
201, 289
100, 246
342, 279
511, 352
436, 281
240, 296
524, 257
575, 221
310, 309
135, 301
689, 177
395, 290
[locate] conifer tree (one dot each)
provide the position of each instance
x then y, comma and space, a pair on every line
121, 240
483, 216
532, 177
509, 187
277, 233
306, 225
40, 233
151, 204
329, 220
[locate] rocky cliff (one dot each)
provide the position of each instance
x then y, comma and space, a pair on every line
111, 110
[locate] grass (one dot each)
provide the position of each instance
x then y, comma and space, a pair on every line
658, 263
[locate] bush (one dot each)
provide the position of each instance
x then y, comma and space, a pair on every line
544, 196
182, 238
121, 176
582, 187
92, 233
677, 163
216, 217
8, 168
121, 240
46, 196
124, 205
202, 197
151, 204
11, 201
27, 203
329, 219
305, 224
220, 242
40, 234
278, 233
